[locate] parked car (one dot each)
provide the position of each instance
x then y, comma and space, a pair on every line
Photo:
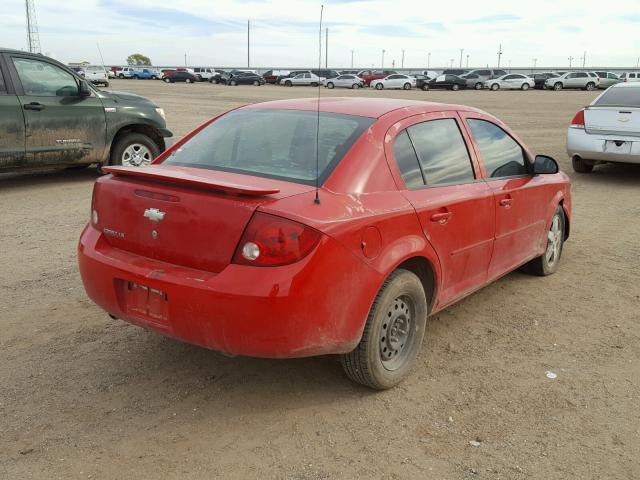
51, 117
346, 253
396, 80
511, 81
220, 76
271, 76
449, 82
178, 77
481, 76
607, 79
245, 78
306, 78
324, 73
111, 73
582, 80
429, 73
630, 77
349, 72
455, 71
370, 75
539, 79
608, 130
422, 81
96, 75
344, 81
166, 72
125, 72
145, 74
290, 75
473, 80
80, 71
203, 74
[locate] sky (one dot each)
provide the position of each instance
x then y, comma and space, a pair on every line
285, 32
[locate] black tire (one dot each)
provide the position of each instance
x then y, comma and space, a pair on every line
406, 86
455, 87
288, 84
330, 85
167, 80
123, 141
425, 87
188, 80
557, 86
232, 83
256, 83
478, 86
314, 84
400, 303
199, 78
524, 87
106, 84
379, 86
590, 86
495, 86
136, 77
544, 264
121, 77
355, 86
580, 166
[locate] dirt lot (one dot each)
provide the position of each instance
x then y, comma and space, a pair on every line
84, 396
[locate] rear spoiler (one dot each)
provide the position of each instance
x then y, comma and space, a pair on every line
186, 176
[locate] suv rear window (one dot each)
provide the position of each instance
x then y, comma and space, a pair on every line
620, 97
273, 144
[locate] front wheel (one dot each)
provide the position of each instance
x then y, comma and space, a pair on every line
495, 87
425, 87
392, 335
557, 86
330, 85
455, 87
167, 80
256, 83
134, 150
478, 86
591, 86
355, 86
188, 80
314, 84
548, 262
232, 83
525, 86
379, 86
407, 86
121, 76
288, 84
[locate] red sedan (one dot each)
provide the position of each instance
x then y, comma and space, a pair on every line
225, 242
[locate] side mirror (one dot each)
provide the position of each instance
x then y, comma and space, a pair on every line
83, 89
545, 165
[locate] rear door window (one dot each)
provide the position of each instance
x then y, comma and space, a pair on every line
408, 161
502, 155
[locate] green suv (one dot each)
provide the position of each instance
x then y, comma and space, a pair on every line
50, 117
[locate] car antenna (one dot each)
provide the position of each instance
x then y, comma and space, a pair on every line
317, 199
102, 60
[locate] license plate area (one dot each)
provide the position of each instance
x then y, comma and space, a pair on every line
144, 302
617, 146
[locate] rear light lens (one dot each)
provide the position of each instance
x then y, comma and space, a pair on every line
95, 219
578, 120
270, 241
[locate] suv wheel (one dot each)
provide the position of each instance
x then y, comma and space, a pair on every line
121, 76
133, 150
392, 335
167, 80
590, 86
478, 86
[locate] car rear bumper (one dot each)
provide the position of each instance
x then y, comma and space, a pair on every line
595, 147
312, 307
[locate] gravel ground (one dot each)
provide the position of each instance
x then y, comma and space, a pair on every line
84, 396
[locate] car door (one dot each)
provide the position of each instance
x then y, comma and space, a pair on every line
61, 127
438, 174
519, 197
12, 128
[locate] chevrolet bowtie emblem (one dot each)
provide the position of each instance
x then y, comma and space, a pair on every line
153, 214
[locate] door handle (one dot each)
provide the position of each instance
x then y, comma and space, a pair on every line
441, 217
506, 202
34, 106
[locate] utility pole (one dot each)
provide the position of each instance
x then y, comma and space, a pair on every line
402, 63
33, 37
351, 58
185, 59
451, 63
461, 50
499, 54
248, 43
428, 60
509, 66
326, 47
535, 62
383, 50
638, 63
570, 60
584, 59
467, 60
393, 63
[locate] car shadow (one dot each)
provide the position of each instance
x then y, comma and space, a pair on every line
620, 174
47, 177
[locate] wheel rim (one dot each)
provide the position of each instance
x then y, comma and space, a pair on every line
525, 86
397, 333
554, 241
590, 86
136, 155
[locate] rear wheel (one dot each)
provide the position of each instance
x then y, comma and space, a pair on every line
557, 86
379, 86
314, 84
392, 335
548, 262
232, 83
134, 150
478, 86
590, 86
580, 166
167, 80
455, 87
256, 83
525, 86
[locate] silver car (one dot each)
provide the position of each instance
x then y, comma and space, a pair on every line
344, 81
307, 78
481, 76
608, 130
583, 80
512, 81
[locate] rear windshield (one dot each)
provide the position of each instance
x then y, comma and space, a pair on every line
273, 143
620, 97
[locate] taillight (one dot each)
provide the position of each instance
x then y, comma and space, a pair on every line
578, 120
271, 241
95, 219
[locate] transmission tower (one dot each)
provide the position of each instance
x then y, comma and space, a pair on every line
33, 37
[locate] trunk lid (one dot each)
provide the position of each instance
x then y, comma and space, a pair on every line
612, 120
185, 216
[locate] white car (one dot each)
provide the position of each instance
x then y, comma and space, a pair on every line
306, 78
630, 77
204, 74
125, 72
96, 75
511, 81
344, 81
583, 80
394, 81
608, 130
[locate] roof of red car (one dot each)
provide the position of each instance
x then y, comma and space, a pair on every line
361, 106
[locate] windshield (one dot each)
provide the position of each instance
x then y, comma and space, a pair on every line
273, 143
619, 97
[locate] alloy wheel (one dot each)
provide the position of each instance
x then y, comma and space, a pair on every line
136, 155
554, 241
